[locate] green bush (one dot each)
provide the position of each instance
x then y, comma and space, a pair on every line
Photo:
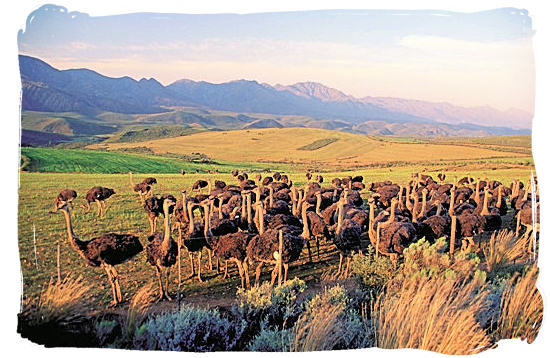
190, 329
271, 340
371, 271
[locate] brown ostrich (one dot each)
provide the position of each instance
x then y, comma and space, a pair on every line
98, 194
162, 252
66, 195
201, 184
193, 239
390, 237
105, 251
347, 238
264, 247
142, 189
154, 207
232, 247
434, 227
314, 228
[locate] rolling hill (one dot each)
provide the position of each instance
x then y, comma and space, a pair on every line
248, 104
286, 145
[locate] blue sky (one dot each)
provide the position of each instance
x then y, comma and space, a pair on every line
474, 59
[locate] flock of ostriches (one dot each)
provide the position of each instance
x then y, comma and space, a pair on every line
269, 221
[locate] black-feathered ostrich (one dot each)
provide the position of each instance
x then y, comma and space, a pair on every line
193, 239
347, 238
162, 252
154, 207
98, 194
264, 247
143, 189
105, 251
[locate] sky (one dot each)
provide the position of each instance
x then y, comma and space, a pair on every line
475, 59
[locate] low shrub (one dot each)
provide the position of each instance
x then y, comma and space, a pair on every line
372, 272
189, 329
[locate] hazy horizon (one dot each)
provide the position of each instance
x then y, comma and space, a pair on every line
471, 60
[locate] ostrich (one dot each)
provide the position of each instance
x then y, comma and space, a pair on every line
347, 238
105, 251
98, 194
313, 228
434, 227
154, 207
162, 251
264, 247
193, 240
149, 181
232, 247
441, 176
66, 195
201, 184
143, 189
390, 237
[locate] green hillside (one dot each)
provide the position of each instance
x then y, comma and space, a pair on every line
94, 161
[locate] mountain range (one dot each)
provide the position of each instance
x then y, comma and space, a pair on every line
47, 89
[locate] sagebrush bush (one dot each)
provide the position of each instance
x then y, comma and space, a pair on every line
423, 259
271, 340
190, 329
371, 271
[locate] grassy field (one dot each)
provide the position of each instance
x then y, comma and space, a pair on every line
344, 150
125, 214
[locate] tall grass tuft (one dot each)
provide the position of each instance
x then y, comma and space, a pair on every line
521, 308
60, 303
318, 332
504, 249
432, 313
138, 308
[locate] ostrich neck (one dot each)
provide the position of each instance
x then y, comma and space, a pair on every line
270, 196
191, 222
73, 240
485, 210
166, 239
131, 180
300, 200
184, 205
293, 201
318, 206
260, 211
340, 218
243, 206
249, 209
452, 204
207, 218
423, 210
305, 223
499, 197
438, 213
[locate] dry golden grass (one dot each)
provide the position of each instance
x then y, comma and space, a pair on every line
282, 145
504, 248
138, 307
435, 314
63, 302
521, 308
319, 331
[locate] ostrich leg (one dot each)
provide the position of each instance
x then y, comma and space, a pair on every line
112, 283
241, 272
117, 284
199, 264
225, 271
258, 272
309, 251
102, 207
141, 198
98, 207
246, 277
274, 274
192, 264
348, 263
317, 242
166, 295
340, 264
151, 225
209, 259
161, 289
285, 266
